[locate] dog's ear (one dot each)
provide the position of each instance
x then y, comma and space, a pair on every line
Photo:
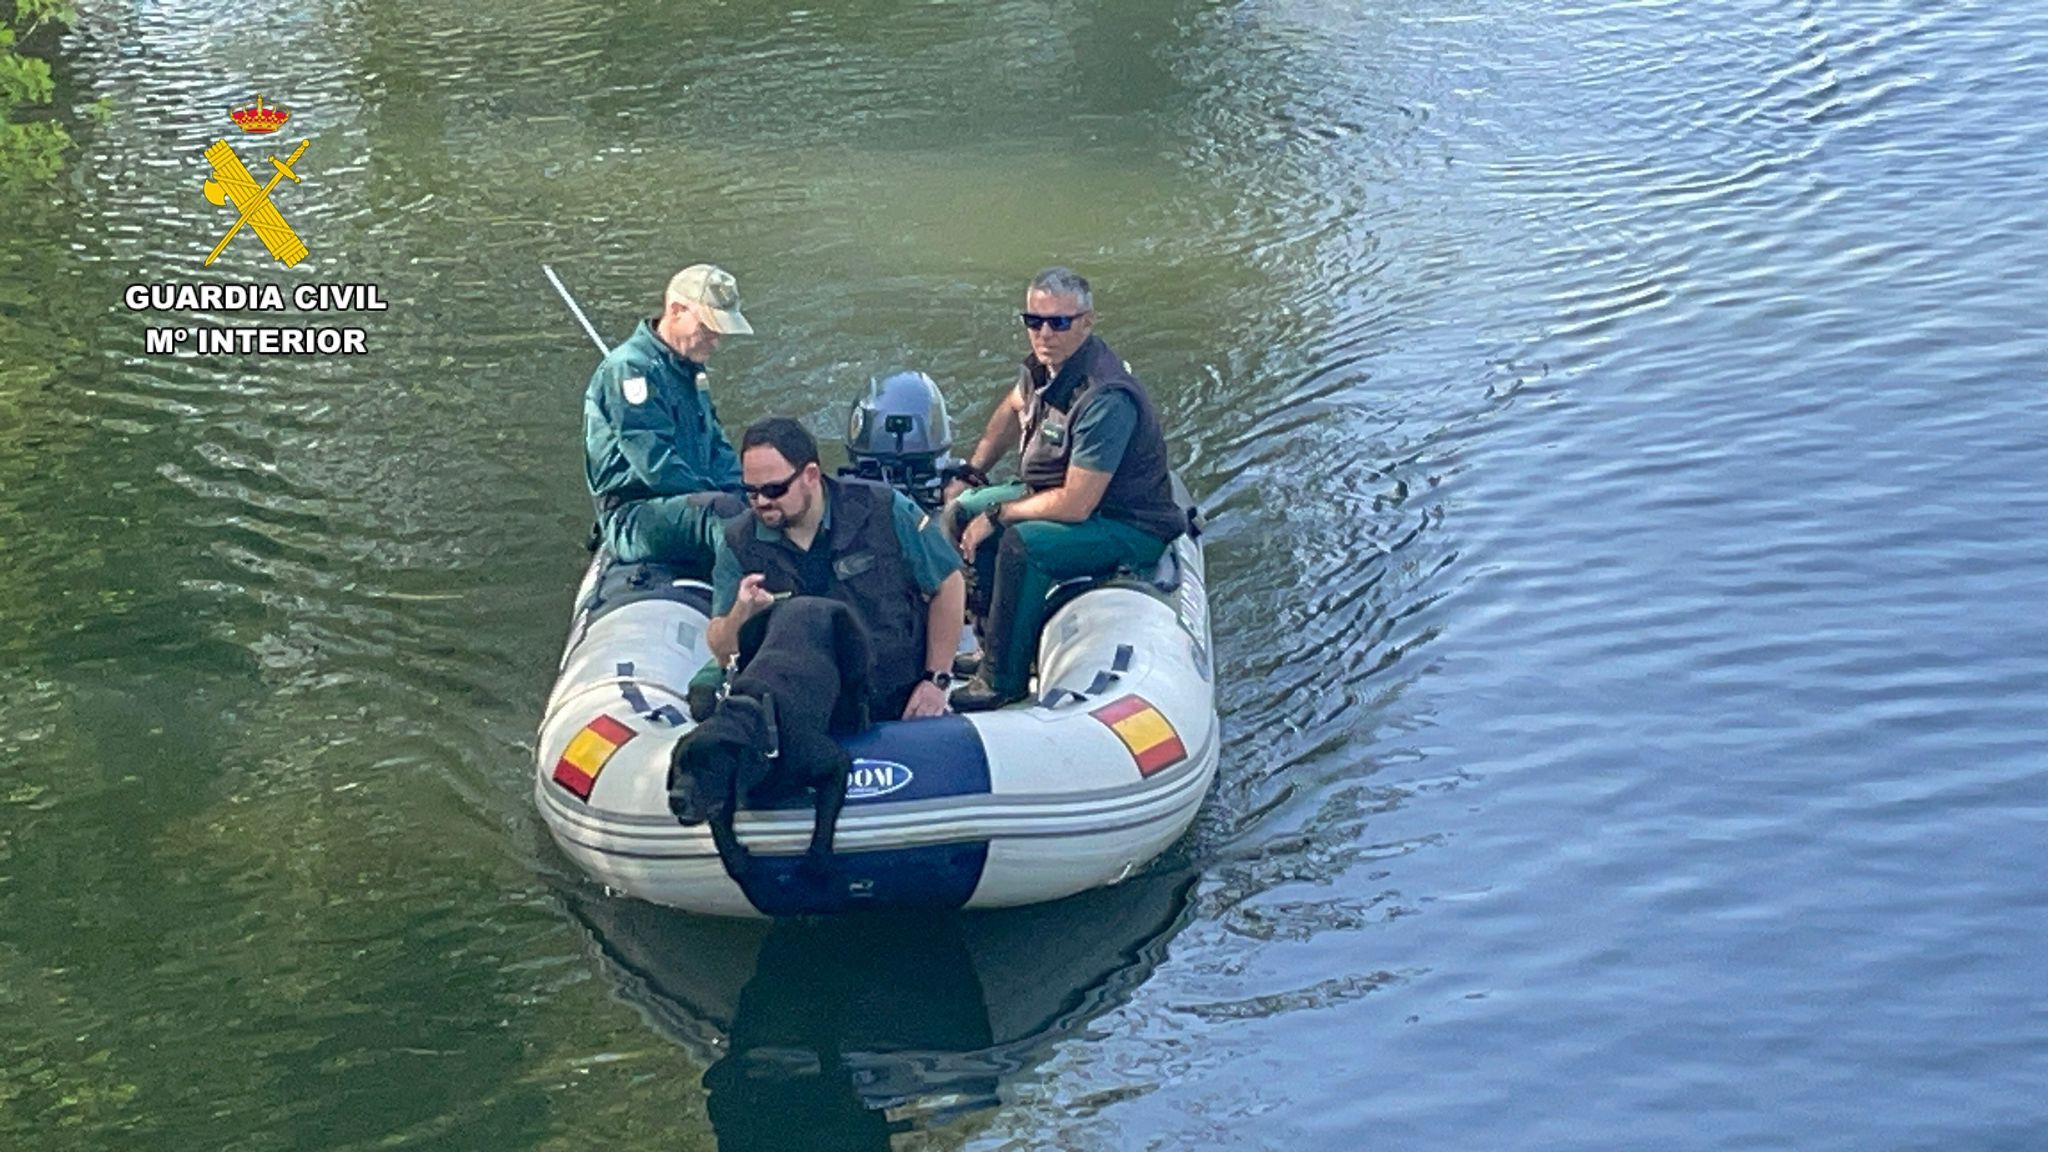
686, 797
753, 768
700, 773
749, 738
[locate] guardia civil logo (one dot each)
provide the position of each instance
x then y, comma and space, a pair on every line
233, 187
253, 209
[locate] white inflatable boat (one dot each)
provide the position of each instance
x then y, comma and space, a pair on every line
1077, 787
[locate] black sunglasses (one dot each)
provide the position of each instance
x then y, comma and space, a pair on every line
775, 491
1034, 321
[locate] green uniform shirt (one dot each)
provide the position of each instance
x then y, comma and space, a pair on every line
1103, 432
926, 550
649, 427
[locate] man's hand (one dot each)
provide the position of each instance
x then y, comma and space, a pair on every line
752, 597
722, 635
925, 700
971, 538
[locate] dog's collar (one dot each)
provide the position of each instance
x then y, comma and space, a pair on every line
769, 729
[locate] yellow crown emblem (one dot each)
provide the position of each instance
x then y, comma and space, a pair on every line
259, 117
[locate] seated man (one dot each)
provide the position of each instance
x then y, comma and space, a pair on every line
657, 463
1095, 494
856, 541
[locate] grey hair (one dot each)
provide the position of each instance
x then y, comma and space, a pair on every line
1062, 281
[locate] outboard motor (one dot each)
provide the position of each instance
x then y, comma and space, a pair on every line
899, 433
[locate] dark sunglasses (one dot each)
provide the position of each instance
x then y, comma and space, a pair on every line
1034, 321
775, 491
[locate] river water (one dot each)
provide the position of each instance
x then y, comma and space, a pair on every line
1624, 433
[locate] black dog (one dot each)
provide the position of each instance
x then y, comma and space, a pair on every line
802, 679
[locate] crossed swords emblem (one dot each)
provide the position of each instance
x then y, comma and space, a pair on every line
231, 181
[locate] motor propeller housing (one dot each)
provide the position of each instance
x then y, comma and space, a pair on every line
898, 432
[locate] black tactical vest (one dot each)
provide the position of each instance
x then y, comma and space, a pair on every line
1140, 492
868, 573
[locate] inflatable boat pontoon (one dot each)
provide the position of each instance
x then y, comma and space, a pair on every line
1073, 789
1076, 787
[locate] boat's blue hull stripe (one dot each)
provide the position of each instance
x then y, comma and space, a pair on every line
907, 760
939, 877
913, 760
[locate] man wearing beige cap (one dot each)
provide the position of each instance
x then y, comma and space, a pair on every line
659, 466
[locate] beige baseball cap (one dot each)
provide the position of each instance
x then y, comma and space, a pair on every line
719, 294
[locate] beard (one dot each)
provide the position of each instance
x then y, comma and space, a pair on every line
775, 517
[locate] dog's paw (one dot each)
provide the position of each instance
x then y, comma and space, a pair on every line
702, 700
816, 871
739, 863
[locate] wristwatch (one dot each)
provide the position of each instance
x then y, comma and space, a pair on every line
994, 515
939, 680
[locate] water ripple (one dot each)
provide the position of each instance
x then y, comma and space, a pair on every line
1623, 468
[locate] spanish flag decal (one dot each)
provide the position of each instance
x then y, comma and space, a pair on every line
1152, 741
587, 753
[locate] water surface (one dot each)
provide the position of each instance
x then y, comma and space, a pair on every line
1624, 437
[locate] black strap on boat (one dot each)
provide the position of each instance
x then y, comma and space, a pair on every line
1052, 699
629, 691
1105, 679
629, 688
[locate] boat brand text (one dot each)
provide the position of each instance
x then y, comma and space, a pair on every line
876, 778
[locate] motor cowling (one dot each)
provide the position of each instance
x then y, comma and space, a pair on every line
898, 432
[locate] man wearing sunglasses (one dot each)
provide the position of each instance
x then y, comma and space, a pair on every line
856, 541
656, 460
1094, 493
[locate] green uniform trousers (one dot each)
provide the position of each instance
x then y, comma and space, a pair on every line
976, 501
680, 531
981, 569
1028, 559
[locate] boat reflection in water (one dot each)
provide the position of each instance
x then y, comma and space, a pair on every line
840, 1032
